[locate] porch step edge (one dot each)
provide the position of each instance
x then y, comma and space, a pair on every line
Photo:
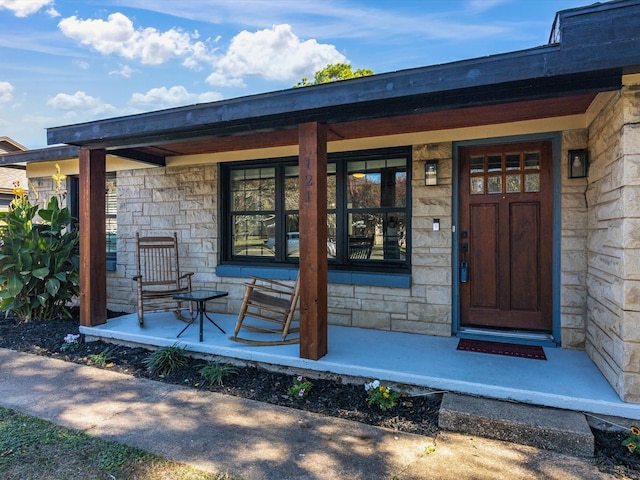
562, 431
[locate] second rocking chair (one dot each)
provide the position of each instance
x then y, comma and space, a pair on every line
269, 307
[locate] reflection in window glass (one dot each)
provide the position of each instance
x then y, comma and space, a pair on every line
253, 189
494, 184
494, 163
377, 236
291, 186
477, 185
513, 183
254, 235
376, 183
512, 161
477, 164
532, 160
532, 182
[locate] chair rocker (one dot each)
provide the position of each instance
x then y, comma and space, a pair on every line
269, 307
158, 274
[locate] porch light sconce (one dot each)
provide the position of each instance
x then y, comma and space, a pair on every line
578, 163
431, 172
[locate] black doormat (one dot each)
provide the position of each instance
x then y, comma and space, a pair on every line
498, 348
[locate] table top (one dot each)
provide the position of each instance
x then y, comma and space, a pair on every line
200, 295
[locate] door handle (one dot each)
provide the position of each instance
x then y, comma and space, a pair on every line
464, 266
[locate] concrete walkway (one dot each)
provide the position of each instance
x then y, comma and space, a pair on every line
253, 440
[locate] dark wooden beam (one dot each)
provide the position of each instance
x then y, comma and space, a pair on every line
313, 240
140, 156
93, 248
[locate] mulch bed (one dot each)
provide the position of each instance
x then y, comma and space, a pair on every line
329, 396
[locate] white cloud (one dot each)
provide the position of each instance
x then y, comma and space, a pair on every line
80, 102
175, 96
275, 54
125, 71
81, 64
23, 8
6, 92
117, 36
52, 12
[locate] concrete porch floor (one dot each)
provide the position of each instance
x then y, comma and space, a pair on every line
567, 379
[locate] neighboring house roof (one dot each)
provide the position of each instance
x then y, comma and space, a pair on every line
10, 175
592, 47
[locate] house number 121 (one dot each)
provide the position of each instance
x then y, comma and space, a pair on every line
308, 182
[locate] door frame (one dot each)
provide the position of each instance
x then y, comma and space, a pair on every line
538, 339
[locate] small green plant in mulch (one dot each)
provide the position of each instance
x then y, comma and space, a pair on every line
166, 360
71, 343
632, 442
380, 395
103, 359
300, 388
215, 373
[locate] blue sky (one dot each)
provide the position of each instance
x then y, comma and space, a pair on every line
66, 61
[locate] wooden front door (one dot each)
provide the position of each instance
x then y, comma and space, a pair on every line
505, 236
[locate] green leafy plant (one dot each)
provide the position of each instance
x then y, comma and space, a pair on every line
103, 358
380, 395
300, 388
632, 442
71, 343
38, 261
166, 360
214, 373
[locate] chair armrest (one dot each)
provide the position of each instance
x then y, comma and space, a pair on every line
264, 288
272, 282
136, 278
185, 275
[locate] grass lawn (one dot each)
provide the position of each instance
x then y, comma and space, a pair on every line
33, 448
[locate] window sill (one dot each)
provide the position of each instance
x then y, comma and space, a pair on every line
373, 279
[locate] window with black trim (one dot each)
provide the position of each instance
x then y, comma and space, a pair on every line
111, 211
368, 211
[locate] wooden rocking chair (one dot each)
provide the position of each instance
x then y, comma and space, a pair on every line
158, 275
273, 304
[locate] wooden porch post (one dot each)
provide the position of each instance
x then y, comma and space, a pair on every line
313, 239
93, 246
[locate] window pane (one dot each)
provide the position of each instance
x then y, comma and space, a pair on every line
512, 161
494, 163
253, 189
477, 164
331, 186
494, 184
513, 183
375, 183
477, 185
291, 188
111, 212
293, 236
532, 182
532, 160
254, 235
394, 240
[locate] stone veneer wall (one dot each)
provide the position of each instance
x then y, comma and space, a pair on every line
573, 247
613, 279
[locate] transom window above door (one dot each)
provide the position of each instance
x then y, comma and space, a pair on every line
368, 213
513, 172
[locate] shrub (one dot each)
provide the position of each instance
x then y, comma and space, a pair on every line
214, 373
38, 261
166, 360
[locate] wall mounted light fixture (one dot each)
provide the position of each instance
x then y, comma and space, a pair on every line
578, 163
431, 172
